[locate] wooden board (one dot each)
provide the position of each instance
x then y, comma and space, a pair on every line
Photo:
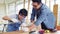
16, 32
55, 11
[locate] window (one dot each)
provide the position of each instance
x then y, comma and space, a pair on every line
43, 1
11, 9
49, 3
58, 2
19, 5
2, 11
30, 9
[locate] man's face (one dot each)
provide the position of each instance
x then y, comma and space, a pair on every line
35, 5
21, 17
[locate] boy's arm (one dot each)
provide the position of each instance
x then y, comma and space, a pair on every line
6, 18
10, 19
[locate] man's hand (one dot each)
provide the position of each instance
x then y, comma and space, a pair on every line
32, 27
32, 21
6, 18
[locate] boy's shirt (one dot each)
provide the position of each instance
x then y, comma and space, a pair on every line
14, 24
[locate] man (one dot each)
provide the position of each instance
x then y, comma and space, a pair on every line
44, 16
16, 20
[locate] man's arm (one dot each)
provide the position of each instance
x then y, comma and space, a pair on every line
32, 26
40, 19
32, 15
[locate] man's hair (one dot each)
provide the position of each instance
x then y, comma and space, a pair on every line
38, 1
23, 12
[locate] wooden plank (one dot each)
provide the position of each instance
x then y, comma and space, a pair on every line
55, 11
16, 32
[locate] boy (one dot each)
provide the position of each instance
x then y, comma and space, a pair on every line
16, 20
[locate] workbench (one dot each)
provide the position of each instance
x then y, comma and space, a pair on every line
15, 32
19, 32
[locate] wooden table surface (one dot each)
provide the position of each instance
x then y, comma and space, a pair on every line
19, 32
58, 32
15, 32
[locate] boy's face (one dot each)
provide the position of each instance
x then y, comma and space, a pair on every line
21, 17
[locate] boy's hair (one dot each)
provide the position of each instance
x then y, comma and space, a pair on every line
38, 1
23, 12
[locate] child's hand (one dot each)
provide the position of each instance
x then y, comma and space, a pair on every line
6, 18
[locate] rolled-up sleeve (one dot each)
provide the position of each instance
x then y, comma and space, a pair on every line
14, 19
33, 15
41, 18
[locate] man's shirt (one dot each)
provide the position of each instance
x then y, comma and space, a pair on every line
44, 15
